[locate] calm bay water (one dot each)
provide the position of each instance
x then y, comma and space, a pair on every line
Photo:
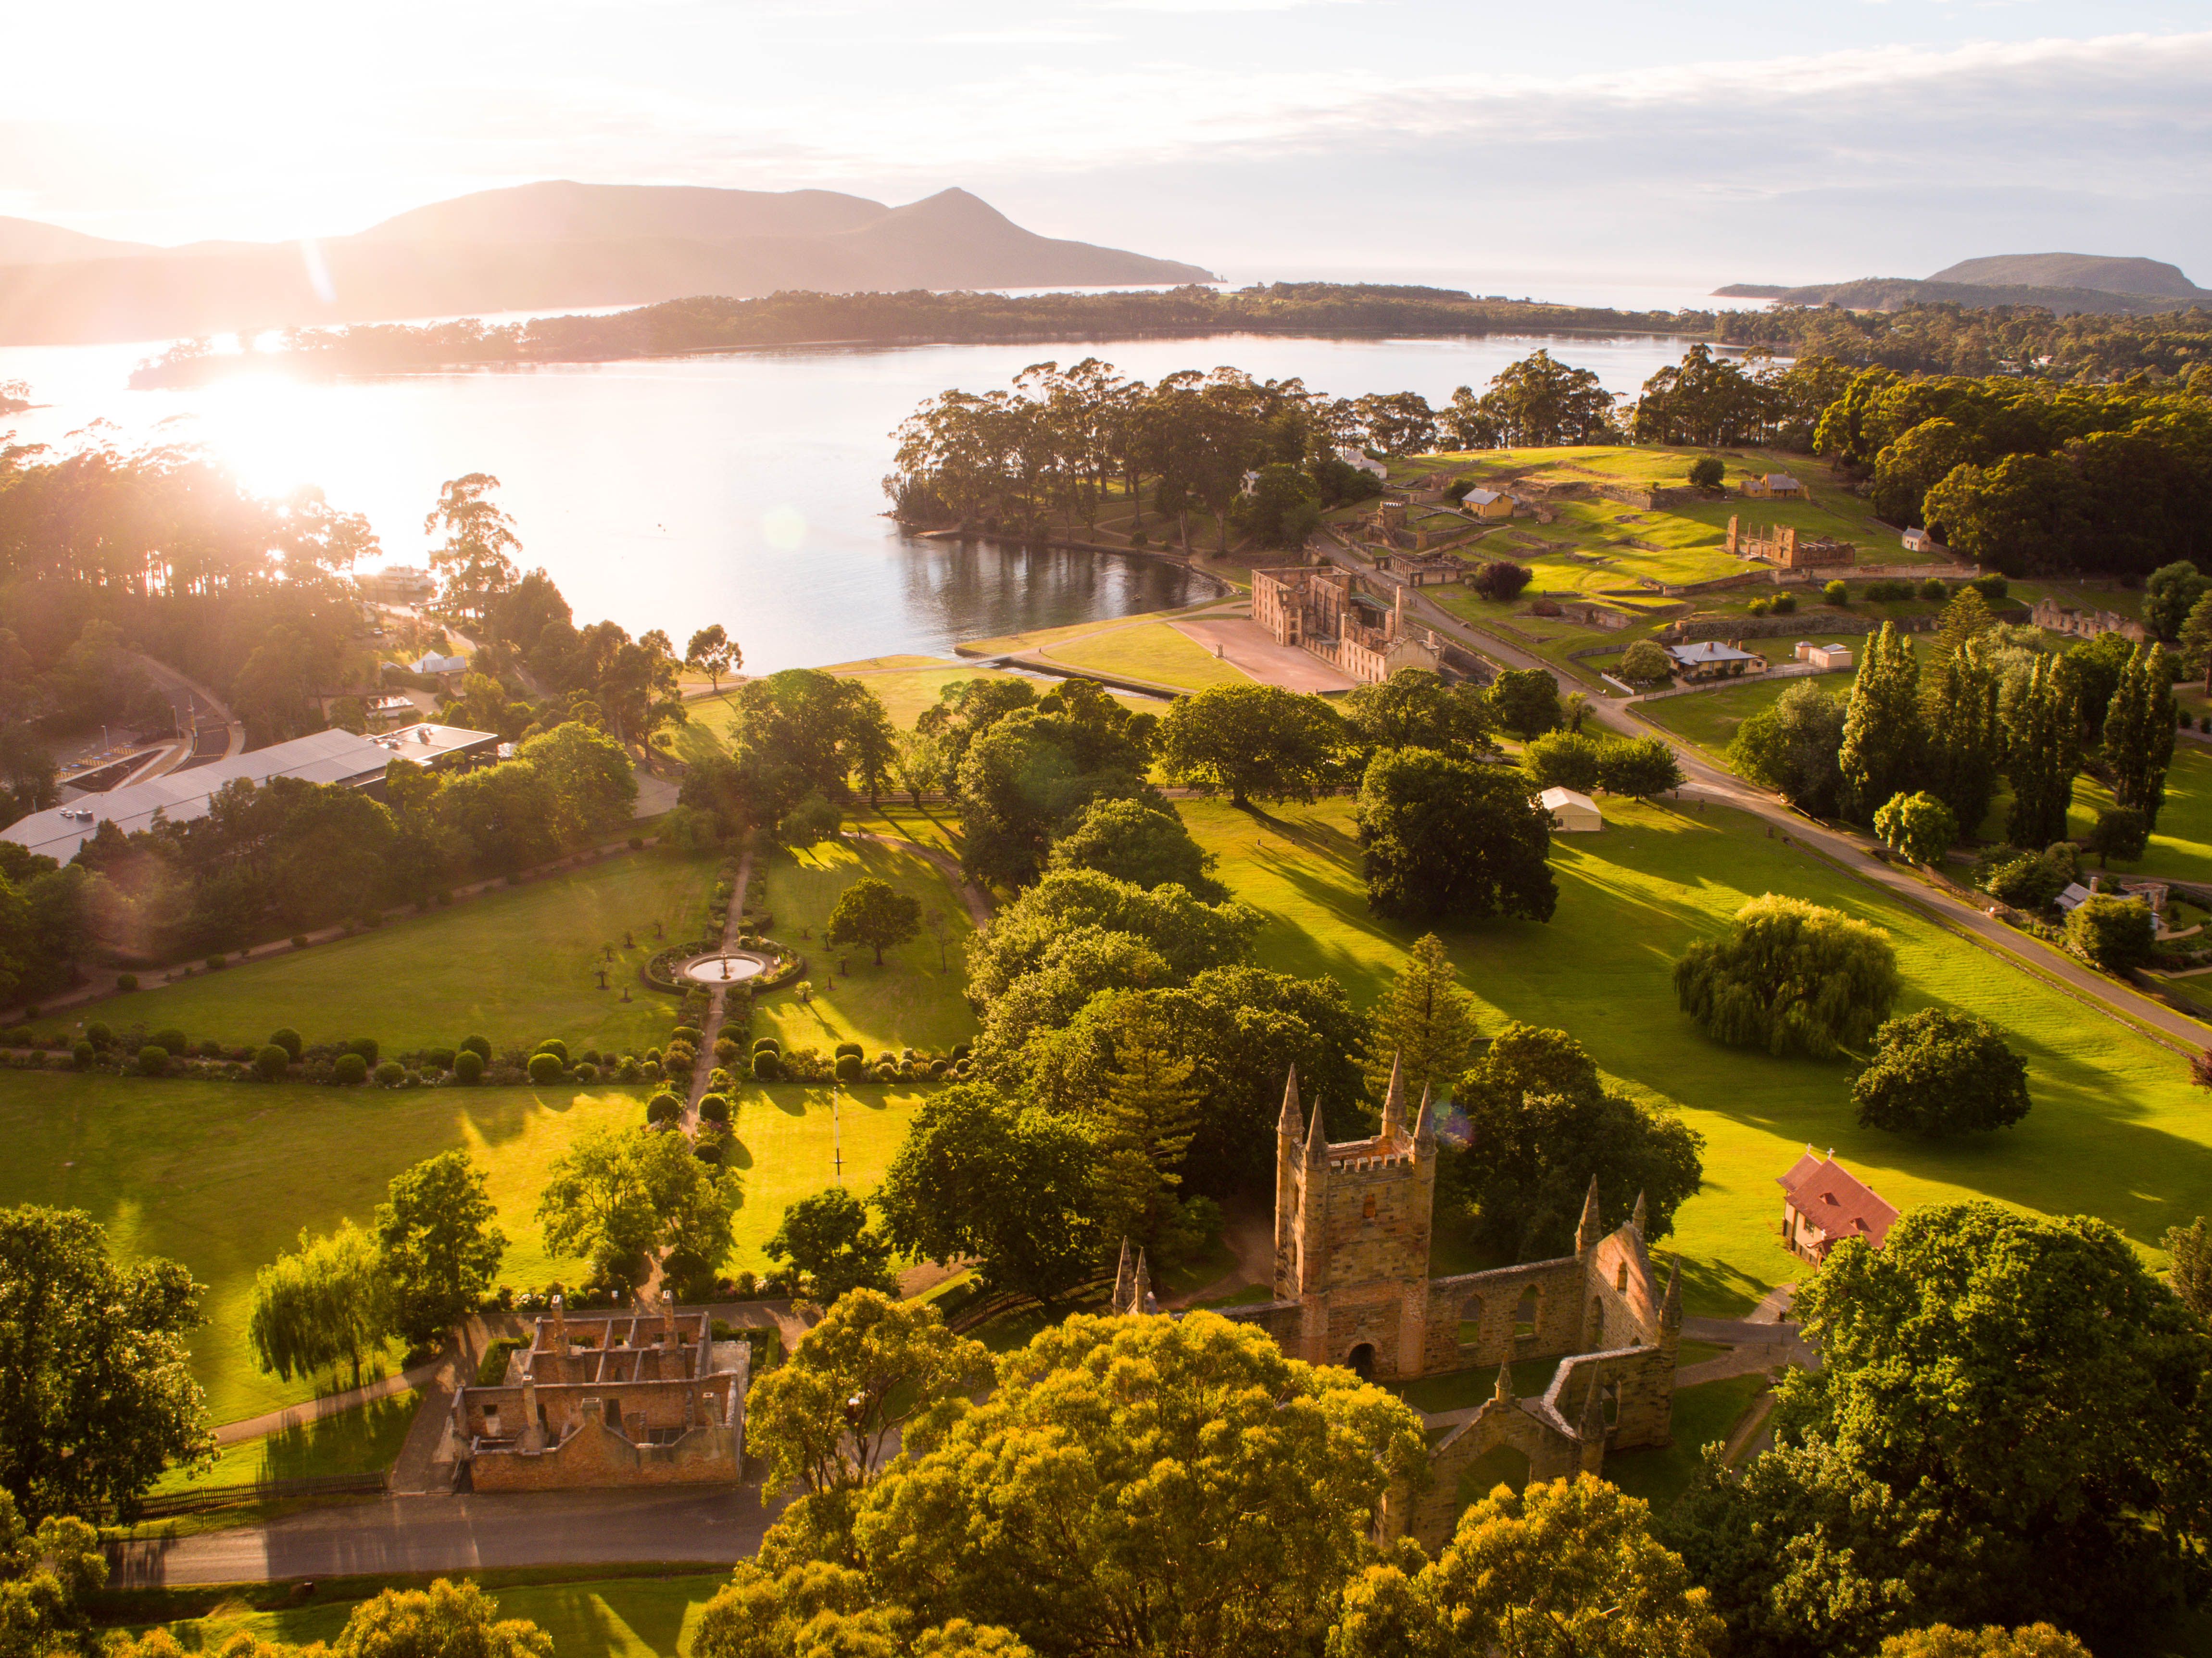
743, 490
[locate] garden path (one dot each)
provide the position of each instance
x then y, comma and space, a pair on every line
713, 1030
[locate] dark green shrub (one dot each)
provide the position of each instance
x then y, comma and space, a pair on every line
479, 1046
2115, 933
441, 1058
1785, 604
545, 1068
853, 1048
84, 1054
1933, 590
664, 1107
768, 1045
714, 1108
886, 1071
554, 1046
768, 1066
849, 1067
1707, 472
707, 1150
1992, 586
592, 1056
962, 1050
299, 941
587, 1071
210, 1048
390, 1072
173, 1041
364, 1045
637, 843
21, 1036
1760, 606
271, 1062
126, 981
289, 1039
468, 1067
350, 1069
686, 1033
216, 961
1838, 593
99, 1035
726, 1050
153, 1059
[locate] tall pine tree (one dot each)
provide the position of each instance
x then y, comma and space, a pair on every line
1965, 743
2043, 745
1882, 728
1147, 1114
2139, 731
1425, 1023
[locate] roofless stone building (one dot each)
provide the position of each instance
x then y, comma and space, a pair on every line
1352, 1225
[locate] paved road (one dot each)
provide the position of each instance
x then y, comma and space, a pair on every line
1850, 853
719, 1525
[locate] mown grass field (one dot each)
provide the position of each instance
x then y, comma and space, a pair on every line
2117, 1131
366, 1439
913, 999
223, 1176
1709, 719
608, 1618
1151, 651
790, 1141
2181, 847
516, 964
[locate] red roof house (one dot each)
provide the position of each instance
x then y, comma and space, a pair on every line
1822, 1202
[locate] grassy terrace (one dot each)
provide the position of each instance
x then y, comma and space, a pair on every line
2116, 1130
516, 964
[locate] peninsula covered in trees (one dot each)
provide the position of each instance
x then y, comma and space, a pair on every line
1944, 339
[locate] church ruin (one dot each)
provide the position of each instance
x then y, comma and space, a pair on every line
1352, 1226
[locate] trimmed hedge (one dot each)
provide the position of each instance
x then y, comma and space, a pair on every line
350, 1069
479, 1046
391, 1071
271, 1062
545, 1068
153, 1059
468, 1067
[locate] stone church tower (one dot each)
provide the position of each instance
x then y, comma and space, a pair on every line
1351, 1233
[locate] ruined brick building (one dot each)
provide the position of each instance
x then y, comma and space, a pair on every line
1352, 1226
619, 1400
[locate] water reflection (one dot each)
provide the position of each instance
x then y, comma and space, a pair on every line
961, 590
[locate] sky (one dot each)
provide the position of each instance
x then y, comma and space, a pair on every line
1675, 141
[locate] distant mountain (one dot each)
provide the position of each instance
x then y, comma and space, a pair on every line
2059, 283
26, 241
2149, 278
543, 245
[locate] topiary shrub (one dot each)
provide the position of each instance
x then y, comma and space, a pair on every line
288, 1039
173, 1041
664, 1107
84, 1054
768, 1066
686, 1033
441, 1059
468, 1067
849, 1067
479, 1046
271, 1062
364, 1045
726, 1050
350, 1068
126, 981
714, 1108
768, 1045
854, 1049
390, 1072
554, 1046
99, 1035
587, 1071
545, 1068
210, 1048
1838, 593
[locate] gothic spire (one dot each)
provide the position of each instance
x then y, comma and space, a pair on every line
1141, 1295
1425, 1126
1316, 1141
1393, 1099
1505, 1393
1637, 1220
1587, 1234
1123, 1281
1292, 1126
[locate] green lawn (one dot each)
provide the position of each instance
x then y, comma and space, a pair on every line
366, 1439
1709, 719
1703, 1414
912, 1000
2116, 1131
1151, 650
610, 1618
223, 1176
2181, 847
788, 1142
516, 964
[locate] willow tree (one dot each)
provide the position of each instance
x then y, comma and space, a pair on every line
1789, 977
323, 1302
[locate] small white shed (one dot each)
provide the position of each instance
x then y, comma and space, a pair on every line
1572, 813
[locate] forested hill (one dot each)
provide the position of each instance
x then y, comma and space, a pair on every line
2061, 283
1945, 339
